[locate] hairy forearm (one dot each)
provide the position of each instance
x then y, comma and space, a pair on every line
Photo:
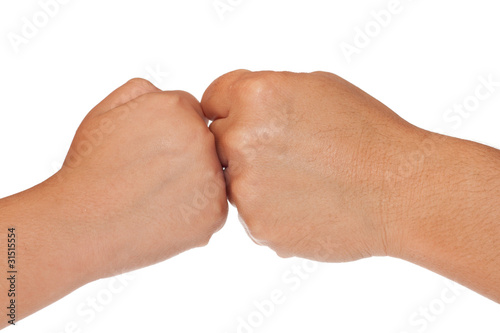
453, 224
51, 250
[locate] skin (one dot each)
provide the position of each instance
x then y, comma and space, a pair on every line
319, 169
141, 183
316, 167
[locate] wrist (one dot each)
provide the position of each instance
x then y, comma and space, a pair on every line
448, 206
70, 218
56, 230
408, 172
422, 193
51, 252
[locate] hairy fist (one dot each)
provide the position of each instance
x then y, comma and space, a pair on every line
306, 158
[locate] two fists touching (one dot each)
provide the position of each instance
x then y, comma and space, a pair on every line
316, 168
300, 156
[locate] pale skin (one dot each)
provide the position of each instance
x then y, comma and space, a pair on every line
130, 200
316, 168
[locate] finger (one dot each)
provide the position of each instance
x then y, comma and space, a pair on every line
248, 231
217, 99
191, 100
124, 94
218, 129
169, 101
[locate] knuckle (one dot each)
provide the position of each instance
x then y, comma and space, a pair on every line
198, 137
166, 103
204, 240
184, 97
219, 213
207, 142
237, 139
256, 88
230, 140
322, 73
250, 212
239, 189
259, 231
283, 254
226, 80
214, 221
220, 210
145, 100
259, 223
139, 85
169, 101
214, 192
165, 99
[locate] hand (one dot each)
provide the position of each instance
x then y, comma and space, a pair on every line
143, 167
319, 169
306, 159
141, 183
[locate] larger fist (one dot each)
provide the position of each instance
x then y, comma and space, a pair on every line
306, 160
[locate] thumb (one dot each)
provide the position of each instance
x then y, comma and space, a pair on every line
218, 97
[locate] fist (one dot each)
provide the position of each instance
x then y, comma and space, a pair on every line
306, 158
142, 179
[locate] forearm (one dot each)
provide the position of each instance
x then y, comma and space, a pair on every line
51, 249
453, 224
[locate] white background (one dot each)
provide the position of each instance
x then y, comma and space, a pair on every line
429, 57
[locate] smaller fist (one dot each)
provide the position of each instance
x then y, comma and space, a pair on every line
144, 175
